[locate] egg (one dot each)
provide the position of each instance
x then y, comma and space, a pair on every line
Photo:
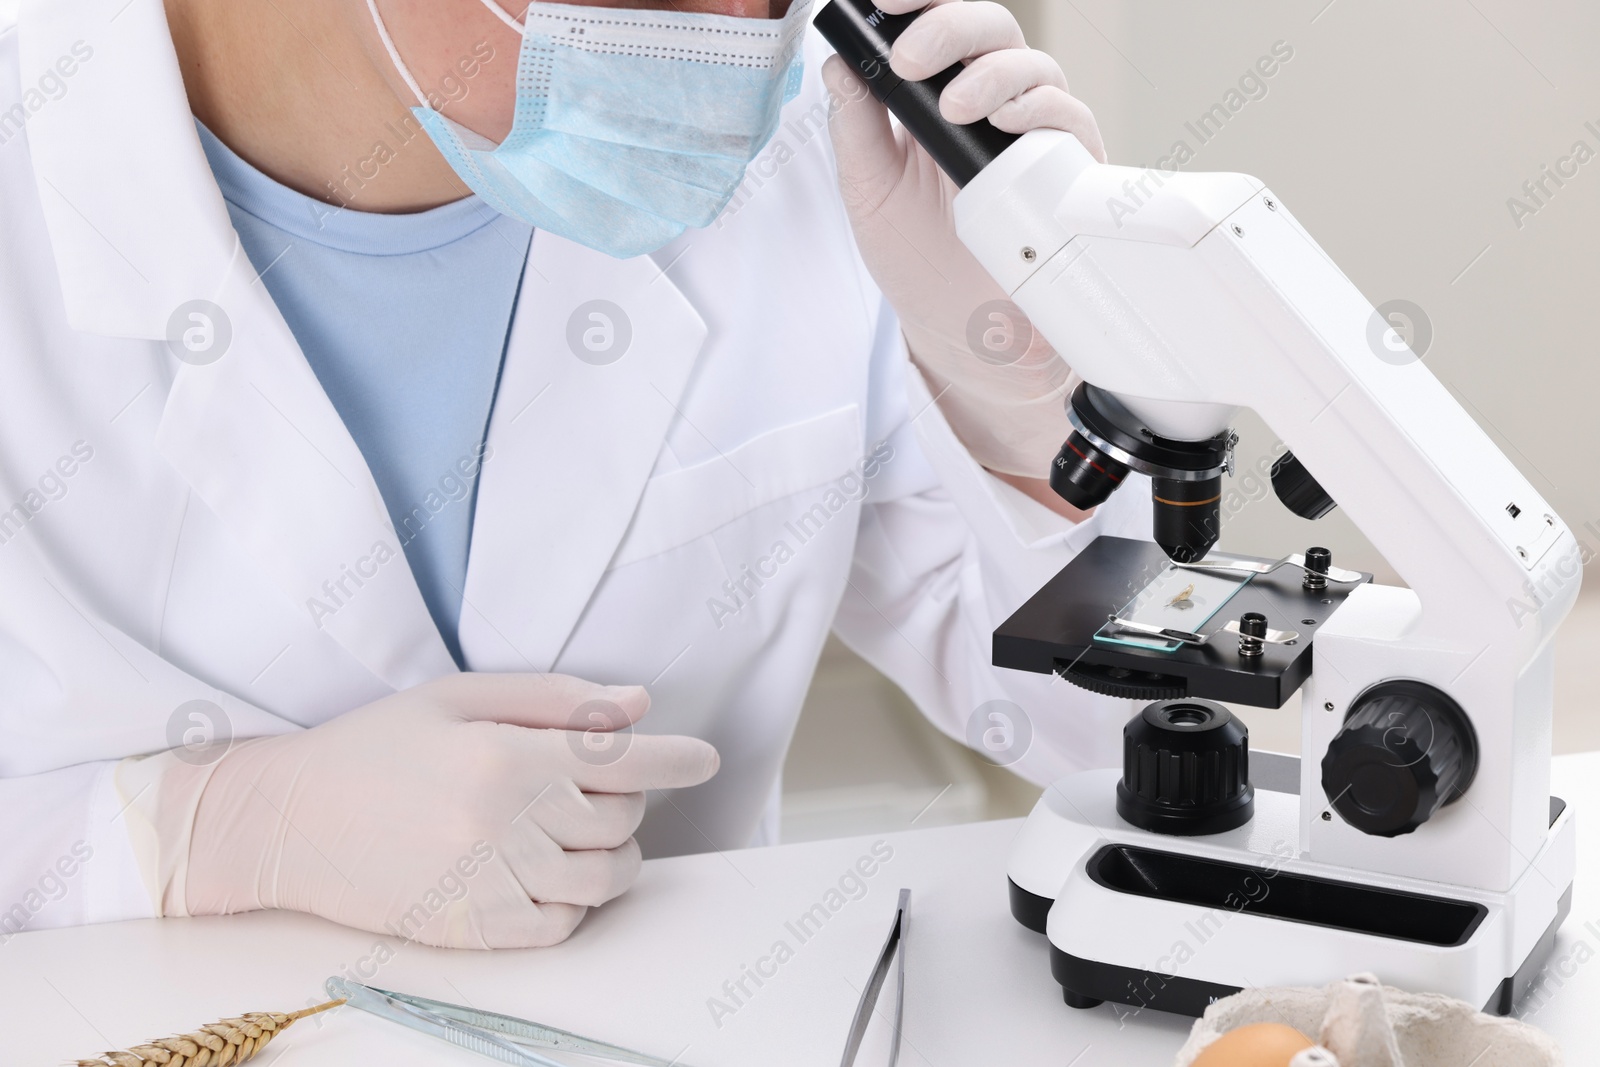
1256, 1045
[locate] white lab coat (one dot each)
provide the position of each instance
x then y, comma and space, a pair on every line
168, 529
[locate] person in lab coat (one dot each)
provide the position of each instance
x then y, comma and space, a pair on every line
647, 305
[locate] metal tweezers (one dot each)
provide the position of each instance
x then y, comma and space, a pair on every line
501, 1037
869, 995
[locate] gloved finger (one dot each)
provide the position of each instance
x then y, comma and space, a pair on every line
1048, 107
990, 80
901, 7
869, 156
589, 877
528, 924
951, 33
646, 761
577, 820
536, 700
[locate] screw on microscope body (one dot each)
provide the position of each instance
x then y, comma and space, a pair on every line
1318, 560
1272, 205
1252, 628
1238, 231
1327, 816
1028, 254
1327, 705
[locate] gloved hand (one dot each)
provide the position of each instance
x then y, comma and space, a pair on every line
464, 812
1003, 388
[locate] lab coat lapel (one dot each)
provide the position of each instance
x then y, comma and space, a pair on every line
257, 437
596, 365
142, 242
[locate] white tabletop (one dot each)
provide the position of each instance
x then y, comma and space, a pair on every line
642, 970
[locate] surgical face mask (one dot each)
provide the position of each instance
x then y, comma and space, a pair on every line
630, 126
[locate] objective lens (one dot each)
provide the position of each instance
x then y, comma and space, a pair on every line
1083, 475
1187, 516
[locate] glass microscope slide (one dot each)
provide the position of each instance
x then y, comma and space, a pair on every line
1174, 599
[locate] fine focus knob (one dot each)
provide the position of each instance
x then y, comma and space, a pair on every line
1185, 769
1405, 751
1299, 491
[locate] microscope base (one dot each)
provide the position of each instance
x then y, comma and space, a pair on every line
1173, 924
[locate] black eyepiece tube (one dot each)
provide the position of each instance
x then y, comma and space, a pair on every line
864, 37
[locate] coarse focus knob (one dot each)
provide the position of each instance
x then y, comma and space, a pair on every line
1299, 491
1185, 769
1406, 750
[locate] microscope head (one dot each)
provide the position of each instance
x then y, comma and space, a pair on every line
1108, 441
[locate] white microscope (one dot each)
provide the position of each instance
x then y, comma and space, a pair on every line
1416, 838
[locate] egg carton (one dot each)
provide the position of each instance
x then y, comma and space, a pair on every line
1361, 1023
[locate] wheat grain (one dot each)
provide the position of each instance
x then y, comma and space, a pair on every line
221, 1044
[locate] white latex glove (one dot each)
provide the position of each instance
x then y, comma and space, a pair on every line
1006, 386
463, 813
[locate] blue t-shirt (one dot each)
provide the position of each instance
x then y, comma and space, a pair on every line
404, 320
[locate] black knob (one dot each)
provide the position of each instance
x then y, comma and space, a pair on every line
1185, 769
1406, 750
1300, 492
1318, 560
1252, 628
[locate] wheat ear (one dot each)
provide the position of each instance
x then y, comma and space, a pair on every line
219, 1045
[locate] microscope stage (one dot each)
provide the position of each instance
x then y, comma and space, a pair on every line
1054, 632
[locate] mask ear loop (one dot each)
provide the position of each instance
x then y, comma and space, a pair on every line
500, 13
394, 55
